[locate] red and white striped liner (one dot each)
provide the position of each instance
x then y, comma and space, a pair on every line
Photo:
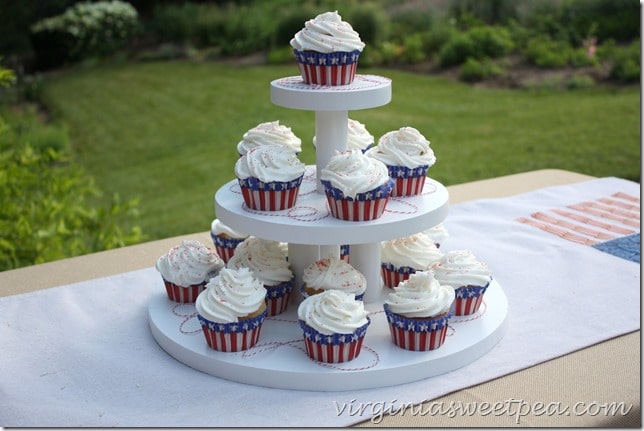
183, 294
333, 353
408, 186
357, 210
328, 75
269, 200
393, 278
419, 341
275, 306
467, 306
233, 341
225, 252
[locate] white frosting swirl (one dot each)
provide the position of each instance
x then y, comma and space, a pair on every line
219, 228
334, 273
230, 295
189, 263
333, 312
461, 268
265, 258
353, 172
270, 163
438, 233
269, 133
403, 147
327, 33
417, 251
421, 295
358, 137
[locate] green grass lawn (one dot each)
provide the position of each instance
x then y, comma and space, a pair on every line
167, 132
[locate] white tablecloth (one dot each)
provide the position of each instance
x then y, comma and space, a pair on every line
83, 354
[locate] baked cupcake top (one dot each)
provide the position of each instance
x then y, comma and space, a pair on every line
421, 295
219, 228
403, 147
189, 263
269, 133
333, 312
417, 251
265, 258
232, 294
334, 273
352, 172
270, 163
460, 268
438, 233
327, 32
358, 137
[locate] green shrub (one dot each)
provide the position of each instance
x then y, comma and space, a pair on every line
547, 53
477, 70
174, 22
370, 22
488, 11
413, 51
478, 42
626, 67
456, 50
409, 21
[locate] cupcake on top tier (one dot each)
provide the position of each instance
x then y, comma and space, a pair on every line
231, 310
327, 50
267, 260
408, 157
402, 257
225, 239
358, 137
186, 269
467, 275
269, 133
418, 312
333, 273
270, 177
357, 187
334, 325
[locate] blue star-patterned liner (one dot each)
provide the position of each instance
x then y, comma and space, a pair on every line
279, 290
626, 247
358, 297
380, 192
278, 186
326, 58
334, 339
233, 327
405, 172
398, 269
470, 291
225, 242
422, 325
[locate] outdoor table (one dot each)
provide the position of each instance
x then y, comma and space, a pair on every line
595, 384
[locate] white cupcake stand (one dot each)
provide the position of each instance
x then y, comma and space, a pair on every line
278, 359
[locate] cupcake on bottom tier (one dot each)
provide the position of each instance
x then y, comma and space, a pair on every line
269, 133
333, 273
268, 261
231, 310
225, 239
467, 275
418, 312
402, 257
334, 324
438, 234
358, 137
186, 269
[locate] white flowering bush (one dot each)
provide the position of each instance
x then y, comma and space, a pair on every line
84, 30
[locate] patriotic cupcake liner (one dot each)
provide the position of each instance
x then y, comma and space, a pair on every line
232, 337
468, 299
393, 275
364, 207
332, 69
345, 253
333, 348
269, 196
277, 297
225, 246
359, 297
409, 181
418, 335
183, 294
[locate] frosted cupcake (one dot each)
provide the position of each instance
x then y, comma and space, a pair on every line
418, 312
269, 133
327, 50
186, 268
270, 177
357, 187
358, 137
438, 234
408, 157
333, 273
467, 275
231, 310
267, 260
225, 239
402, 257
334, 324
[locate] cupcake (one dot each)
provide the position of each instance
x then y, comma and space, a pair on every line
438, 234
268, 261
186, 269
327, 50
345, 253
402, 257
225, 239
332, 273
231, 310
269, 133
468, 276
334, 324
418, 312
408, 157
358, 137
270, 177
357, 187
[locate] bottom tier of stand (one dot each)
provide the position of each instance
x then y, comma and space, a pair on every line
279, 360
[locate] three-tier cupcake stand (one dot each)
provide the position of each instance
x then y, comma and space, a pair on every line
279, 359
